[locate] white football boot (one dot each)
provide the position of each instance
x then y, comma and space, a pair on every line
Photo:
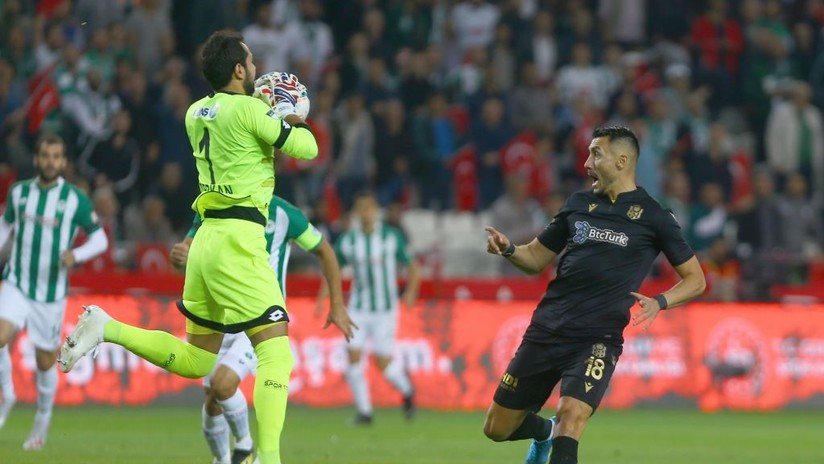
86, 337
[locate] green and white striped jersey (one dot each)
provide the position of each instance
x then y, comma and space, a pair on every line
286, 224
45, 223
374, 259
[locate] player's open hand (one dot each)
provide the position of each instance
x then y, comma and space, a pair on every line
497, 242
649, 310
339, 317
179, 255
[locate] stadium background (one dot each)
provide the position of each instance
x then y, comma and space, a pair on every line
460, 115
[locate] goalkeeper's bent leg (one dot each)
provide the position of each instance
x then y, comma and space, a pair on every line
161, 349
275, 363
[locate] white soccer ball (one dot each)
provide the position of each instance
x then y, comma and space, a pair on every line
265, 85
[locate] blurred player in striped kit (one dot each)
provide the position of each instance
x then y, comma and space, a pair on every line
374, 250
225, 407
43, 216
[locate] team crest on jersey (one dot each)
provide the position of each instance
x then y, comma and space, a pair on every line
635, 212
584, 231
592, 206
599, 350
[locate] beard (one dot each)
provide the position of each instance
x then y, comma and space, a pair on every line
48, 176
249, 85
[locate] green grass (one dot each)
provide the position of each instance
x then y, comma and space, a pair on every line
172, 435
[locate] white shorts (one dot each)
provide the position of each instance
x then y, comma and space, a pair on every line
378, 327
237, 354
42, 320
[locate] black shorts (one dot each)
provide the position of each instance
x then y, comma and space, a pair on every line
583, 368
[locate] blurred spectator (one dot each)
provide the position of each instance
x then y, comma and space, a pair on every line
624, 20
517, 212
355, 64
146, 222
415, 85
659, 141
795, 138
718, 42
171, 130
803, 233
177, 197
624, 108
355, 160
542, 49
378, 86
115, 162
47, 52
677, 198
17, 53
712, 165
12, 111
707, 217
581, 30
108, 211
315, 39
435, 141
474, 23
99, 15
490, 134
273, 45
149, 28
393, 217
582, 78
722, 272
374, 27
100, 56
502, 58
90, 108
393, 151
530, 104
70, 73
758, 221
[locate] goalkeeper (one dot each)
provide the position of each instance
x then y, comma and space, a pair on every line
229, 285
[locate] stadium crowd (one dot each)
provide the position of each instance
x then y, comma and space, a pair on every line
449, 105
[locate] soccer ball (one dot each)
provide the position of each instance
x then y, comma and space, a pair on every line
265, 90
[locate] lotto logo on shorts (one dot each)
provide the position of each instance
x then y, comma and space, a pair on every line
278, 315
509, 382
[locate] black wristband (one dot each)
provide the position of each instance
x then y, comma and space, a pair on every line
510, 250
662, 300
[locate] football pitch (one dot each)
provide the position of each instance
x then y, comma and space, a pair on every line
172, 434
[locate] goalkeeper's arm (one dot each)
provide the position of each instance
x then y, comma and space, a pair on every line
297, 139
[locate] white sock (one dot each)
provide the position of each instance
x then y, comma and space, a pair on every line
6, 384
46, 389
356, 377
236, 412
216, 432
395, 374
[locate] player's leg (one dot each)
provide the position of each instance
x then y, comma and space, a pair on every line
193, 358
392, 367
355, 373
7, 394
275, 363
587, 372
44, 323
235, 365
215, 428
14, 310
523, 390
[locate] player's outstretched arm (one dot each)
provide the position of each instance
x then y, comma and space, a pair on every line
691, 286
331, 273
531, 258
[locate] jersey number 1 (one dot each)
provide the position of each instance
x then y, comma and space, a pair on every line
204, 149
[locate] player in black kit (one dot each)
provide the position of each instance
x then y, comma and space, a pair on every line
611, 234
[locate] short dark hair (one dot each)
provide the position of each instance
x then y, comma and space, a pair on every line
613, 133
365, 193
49, 139
221, 52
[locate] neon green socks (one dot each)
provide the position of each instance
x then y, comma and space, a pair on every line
275, 363
161, 349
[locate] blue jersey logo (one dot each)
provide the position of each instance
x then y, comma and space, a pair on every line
584, 231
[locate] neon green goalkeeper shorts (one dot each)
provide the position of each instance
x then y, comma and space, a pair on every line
229, 285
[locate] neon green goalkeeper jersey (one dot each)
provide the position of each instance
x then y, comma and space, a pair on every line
286, 224
233, 138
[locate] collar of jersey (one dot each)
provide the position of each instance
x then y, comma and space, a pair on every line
224, 91
59, 182
631, 195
